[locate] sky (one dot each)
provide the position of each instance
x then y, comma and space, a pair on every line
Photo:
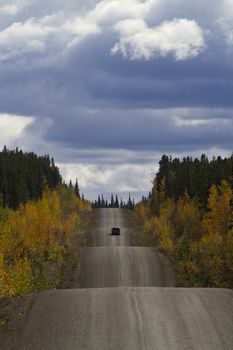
108, 87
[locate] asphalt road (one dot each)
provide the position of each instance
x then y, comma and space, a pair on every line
124, 267
109, 218
130, 319
120, 301
113, 262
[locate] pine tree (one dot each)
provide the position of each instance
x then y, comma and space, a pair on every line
129, 204
76, 189
99, 202
121, 203
112, 201
102, 201
23, 176
116, 205
71, 187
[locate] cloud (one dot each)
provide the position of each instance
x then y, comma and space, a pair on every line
21, 38
225, 21
12, 128
94, 180
110, 116
13, 8
48, 36
130, 136
56, 32
111, 11
180, 38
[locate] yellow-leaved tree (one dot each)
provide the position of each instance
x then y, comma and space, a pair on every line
216, 243
33, 240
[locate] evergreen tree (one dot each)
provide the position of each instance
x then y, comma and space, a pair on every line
194, 176
122, 204
112, 201
99, 202
24, 176
102, 202
76, 189
130, 203
116, 202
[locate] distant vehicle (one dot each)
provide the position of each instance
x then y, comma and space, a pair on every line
116, 231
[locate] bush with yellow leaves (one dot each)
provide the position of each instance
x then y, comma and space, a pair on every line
201, 241
34, 236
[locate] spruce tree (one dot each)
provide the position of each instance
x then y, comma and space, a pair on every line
116, 202
99, 202
76, 189
112, 202
71, 187
121, 203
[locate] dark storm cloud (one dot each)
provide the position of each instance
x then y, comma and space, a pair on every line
144, 130
93, 106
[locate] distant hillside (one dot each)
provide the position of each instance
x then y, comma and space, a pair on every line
23, 176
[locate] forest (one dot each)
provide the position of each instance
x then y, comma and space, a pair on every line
23, 176
189, 216
114, 202
38, 217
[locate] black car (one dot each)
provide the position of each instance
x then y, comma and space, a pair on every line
116, 231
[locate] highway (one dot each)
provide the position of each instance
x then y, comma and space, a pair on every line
124, 298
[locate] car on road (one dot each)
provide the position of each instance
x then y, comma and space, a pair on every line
115, 231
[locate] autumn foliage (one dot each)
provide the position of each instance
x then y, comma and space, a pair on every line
199, 239
33, 240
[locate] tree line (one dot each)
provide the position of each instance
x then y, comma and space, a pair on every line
39, 214
195, 176
23, 176
114, 202
189, 215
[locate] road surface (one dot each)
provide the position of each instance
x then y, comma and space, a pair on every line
124, 267
114, 262
109, 218
130, 318
125, 303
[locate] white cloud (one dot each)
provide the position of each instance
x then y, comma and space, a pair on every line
47, 34
116, 179
12, 128
111, 11
13, 8
180, 38
181, 122
228, 8
80, 28
226, 20
20, 38
58, 30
